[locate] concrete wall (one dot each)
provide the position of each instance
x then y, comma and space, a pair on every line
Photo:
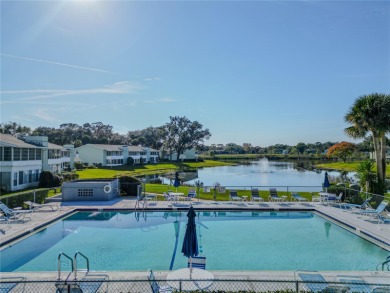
90, 154
99, 190
10, 167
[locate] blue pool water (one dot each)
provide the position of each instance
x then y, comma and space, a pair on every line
229, 240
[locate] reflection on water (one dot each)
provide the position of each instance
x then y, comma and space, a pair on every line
263, 174
122, 241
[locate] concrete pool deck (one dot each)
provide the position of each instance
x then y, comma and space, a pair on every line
361, 225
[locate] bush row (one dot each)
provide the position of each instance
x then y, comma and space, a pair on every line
18, 199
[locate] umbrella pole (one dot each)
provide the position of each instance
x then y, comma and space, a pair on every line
190, 267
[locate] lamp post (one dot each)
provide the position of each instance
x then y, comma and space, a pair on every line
144, 185
198, 185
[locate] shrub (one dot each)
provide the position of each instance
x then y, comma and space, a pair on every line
18, 199
129, 185
48, 179
78, 165
70, 176
130, 161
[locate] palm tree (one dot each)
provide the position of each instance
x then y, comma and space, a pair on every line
371, 113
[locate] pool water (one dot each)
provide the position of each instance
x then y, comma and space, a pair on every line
229, 240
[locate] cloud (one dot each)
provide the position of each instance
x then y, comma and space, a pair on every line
152, 78
44, 114
118, 88
162, 100
58, 63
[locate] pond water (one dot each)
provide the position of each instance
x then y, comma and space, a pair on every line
264, 174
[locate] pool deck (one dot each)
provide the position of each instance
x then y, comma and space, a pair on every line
358, 224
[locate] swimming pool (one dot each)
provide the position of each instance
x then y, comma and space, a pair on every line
230, 240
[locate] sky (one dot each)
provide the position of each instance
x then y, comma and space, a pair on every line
259, 72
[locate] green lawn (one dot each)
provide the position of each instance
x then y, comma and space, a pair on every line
159, 189
349, 166
148, 169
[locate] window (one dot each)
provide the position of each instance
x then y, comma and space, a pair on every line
30, 176
36, 175
15, 178
31, 154
24, 154
54, 154
16, 154
21, 177
7, 154
38, 154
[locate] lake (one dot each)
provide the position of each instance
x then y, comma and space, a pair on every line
263, 174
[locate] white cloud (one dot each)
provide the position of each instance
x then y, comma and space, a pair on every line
152, 78
45, 114
123, 87
162, 100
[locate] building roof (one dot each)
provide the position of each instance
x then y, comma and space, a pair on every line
117, 147
13, 141
106, 147
54, 146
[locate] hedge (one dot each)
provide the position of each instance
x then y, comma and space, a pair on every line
18, 199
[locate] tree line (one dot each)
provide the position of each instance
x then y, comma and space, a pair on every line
368, 119
174, 137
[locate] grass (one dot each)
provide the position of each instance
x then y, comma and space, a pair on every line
160, 188
148, 169
348, 166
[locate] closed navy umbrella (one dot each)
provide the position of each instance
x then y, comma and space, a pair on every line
190, 243
326, 182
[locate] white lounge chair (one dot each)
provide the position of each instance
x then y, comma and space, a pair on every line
151, 198
156, 288
315, 282
255, 195
9, 283
374, 213
36, 206
334, 199
273, 195
355, 284
14, 215
234, 197
168, 196
297, 197
351, 206
190, 195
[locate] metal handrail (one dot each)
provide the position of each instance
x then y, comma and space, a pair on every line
388, 264
75, 263
59, 265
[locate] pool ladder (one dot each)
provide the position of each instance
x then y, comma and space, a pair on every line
386, 262
73, 264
